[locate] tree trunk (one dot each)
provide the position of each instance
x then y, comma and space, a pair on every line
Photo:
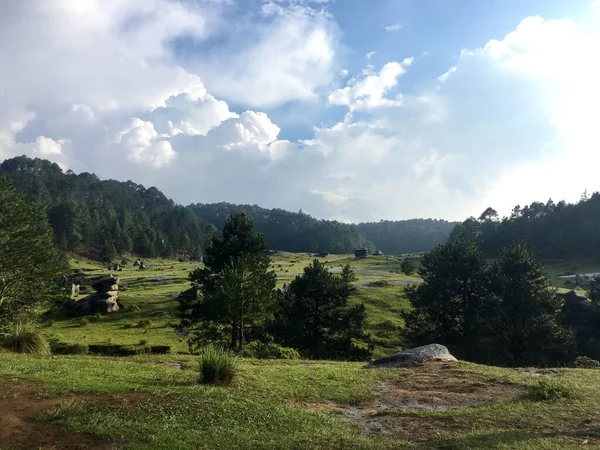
234, 336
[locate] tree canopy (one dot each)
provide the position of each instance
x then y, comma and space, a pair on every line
30, 265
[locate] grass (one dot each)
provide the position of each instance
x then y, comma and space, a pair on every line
155, 401
268, 405
23, 337
217, 366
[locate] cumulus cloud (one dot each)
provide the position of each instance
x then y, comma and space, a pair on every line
496, 129
368, 90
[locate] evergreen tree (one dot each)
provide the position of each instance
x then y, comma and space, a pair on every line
236, 286
29, 263
446, 305
521, 318
314, 314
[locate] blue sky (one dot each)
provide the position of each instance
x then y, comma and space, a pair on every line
352, 110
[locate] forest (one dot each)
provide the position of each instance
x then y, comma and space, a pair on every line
553, 230
105, 218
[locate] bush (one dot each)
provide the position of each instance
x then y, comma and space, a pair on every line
95, 318
83, 322
379, 283
62, 348
111, 350
143, 341
261, 350
584, 362
160, 349
144, 323
548, 391
217, 366
127, 326
22, 337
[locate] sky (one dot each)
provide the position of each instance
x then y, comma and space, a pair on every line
351, 110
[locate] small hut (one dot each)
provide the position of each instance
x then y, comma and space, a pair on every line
361, 253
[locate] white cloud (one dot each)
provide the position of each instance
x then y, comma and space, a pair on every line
369, 89
289, 55
370, 55
395, 27
504, 124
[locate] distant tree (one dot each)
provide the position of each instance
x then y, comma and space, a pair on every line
520, 317
408, 267
314, 314
446, 305
594, 290
29, 262
236, 288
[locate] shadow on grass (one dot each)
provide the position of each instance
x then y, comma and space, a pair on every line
499, 439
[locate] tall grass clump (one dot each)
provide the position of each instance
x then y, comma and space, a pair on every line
23, 337
217, 366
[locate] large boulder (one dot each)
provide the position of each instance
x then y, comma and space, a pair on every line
106, 284
413, 357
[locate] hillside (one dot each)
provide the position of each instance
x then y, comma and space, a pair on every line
406, 236
104, 218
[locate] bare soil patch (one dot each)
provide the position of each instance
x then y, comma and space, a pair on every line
22, 402
431, 386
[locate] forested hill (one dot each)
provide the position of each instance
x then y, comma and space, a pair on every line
554, 230
406, 236
292, 232
104, 218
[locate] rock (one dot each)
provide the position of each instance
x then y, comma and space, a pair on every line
413, 357
137, 263
106, 284
142, 266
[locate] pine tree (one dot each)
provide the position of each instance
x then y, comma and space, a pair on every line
29, 263
521, 316
236, 285
314, 314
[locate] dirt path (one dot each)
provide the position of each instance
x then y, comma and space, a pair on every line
22, 402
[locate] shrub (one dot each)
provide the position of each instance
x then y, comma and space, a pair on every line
261, 350
83, 322
143, 341
584, 362
62, 348
111, 350
22, 337
127, 326
379, 283
548, 391
160, 349
217, 366
145, 323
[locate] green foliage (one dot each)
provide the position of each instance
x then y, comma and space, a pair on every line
23, 337
445, 306
288, 231
549, 391
144, 323
104, 218
314, 315
269, 350
408, 267
594, 291
520, 320
29, 264
217, 366
235, 288
63, 348
584, 362
553, 230
505, 313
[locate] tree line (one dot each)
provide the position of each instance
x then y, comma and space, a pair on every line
553, 230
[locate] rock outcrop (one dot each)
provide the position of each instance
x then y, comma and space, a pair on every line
104, 301
413, 357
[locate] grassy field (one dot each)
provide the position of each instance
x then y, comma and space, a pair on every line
156, 402
150, 295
